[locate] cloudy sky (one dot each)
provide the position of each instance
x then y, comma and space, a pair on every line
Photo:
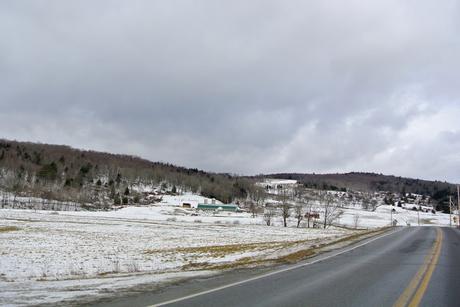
239, 86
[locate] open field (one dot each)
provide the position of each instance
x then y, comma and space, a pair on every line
48, 256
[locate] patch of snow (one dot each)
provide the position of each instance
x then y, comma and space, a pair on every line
65, 255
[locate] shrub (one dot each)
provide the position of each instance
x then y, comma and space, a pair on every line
116, 201
48, 171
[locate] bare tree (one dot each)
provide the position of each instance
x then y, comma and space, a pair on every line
285, 213
298, 192
285, 207
369, 202
365, 201
356, 220
269, 214
310, 209
258, 195
373, 204
299, 215
331, 210
256, 200
253, 208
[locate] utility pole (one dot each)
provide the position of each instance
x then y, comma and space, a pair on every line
450, 211
458, 204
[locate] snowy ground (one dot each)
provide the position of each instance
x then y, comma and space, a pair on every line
188, 198
382, 217
47, 256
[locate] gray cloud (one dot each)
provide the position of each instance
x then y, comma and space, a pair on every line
244, 87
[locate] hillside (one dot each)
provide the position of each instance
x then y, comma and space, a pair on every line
64, 173
371, 182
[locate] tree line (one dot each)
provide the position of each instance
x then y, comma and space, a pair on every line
64, 173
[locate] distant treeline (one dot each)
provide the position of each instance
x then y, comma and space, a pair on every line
65, 173
368, 182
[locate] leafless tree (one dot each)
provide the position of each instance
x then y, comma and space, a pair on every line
269, 214
310, 209
331, 210
369, 202
253, 208
285, 212
285, 206
374, 203
365, 200
299, 214
298, 192
256, 199
356, 220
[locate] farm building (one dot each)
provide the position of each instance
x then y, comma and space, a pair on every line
226, 207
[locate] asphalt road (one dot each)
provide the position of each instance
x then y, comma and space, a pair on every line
410, 267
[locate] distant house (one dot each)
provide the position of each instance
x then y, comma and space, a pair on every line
312, 215
223, 207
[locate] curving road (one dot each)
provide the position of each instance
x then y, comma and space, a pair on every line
408, 267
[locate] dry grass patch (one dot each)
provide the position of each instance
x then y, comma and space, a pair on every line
290, 258
223, 250
297, 256
8, 228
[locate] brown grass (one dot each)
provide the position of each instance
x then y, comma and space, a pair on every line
297, 256
223, 250
8, 228
288, 259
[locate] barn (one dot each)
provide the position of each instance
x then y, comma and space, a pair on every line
223, 207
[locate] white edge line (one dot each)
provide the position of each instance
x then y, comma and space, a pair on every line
272, 273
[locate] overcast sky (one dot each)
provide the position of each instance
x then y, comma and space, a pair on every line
239, 86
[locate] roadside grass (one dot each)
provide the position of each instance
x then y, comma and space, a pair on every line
8, 228
297, 256
289, 258
219, 251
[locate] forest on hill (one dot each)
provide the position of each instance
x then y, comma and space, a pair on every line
64, 173
372, 182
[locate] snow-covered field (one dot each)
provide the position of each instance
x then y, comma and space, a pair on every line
47, 256
382, 217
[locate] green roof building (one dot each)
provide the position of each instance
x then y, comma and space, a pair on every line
223, 207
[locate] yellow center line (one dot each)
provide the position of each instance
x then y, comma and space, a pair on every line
420, 281
426, 280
